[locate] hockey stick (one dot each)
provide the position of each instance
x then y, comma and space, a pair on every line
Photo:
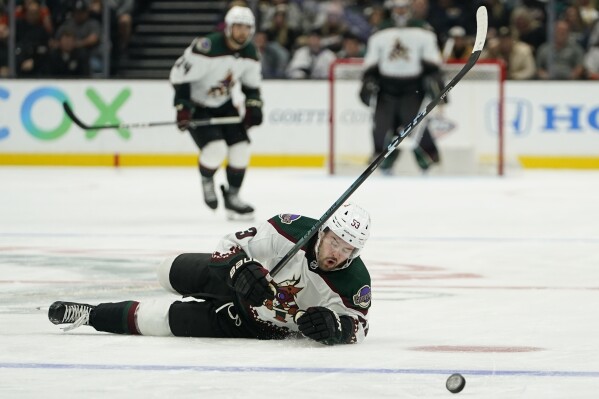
481, 35
227, 120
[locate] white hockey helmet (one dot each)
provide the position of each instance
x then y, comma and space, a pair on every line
243, 16
352, 224
401, 11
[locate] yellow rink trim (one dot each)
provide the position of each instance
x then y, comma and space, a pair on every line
547, 162
257, 160
57, 159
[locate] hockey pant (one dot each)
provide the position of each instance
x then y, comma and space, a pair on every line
231, 134
394, 112
220, 142
213, 315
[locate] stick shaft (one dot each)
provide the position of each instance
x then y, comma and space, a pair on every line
481, 34
227, 120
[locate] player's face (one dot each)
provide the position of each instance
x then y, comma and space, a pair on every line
240, 34
332, 251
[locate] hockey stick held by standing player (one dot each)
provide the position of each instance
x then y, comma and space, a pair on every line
481, 35
228, 120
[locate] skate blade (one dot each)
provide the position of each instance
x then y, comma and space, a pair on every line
231, 215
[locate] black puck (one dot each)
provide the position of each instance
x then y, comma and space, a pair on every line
455, 383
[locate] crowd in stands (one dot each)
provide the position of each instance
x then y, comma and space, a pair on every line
311, 34
62, 38
298, 39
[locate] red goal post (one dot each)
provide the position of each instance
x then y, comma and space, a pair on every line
474, 144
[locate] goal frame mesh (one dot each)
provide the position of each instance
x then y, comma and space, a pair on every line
501, 77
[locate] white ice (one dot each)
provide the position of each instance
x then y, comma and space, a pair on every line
495, 278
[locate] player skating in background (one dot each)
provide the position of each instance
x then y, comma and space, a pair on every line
402, 64
206, 78
322, 293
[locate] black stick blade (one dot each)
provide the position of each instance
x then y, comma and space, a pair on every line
69, 111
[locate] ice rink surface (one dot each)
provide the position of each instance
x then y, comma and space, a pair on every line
495, 278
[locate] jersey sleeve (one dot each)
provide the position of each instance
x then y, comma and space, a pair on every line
354, 327
259, 243
251, 78
371, 58
188, 67
353, 285
430, 49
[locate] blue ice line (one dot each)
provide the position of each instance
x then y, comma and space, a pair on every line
319, 370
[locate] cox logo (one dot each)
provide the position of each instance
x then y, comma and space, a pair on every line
107, 112
3, 130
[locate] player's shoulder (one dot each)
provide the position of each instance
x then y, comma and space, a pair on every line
292, 226
421, 29
249, 51
211, 45
381, 34
215, 45
420, 23
384, 37
353, 283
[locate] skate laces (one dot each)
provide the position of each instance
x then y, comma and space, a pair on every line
76, 314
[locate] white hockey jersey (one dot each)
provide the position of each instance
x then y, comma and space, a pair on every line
399, 52
300, 283
213, 70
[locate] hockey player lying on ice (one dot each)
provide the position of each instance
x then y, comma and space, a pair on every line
323, 293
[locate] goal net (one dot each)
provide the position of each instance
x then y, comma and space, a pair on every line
468, 130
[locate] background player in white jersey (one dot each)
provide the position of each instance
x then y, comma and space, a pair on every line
323, 293
205, 79
401, 63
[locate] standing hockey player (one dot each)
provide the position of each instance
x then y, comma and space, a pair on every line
323, 293
401, 64
205, 78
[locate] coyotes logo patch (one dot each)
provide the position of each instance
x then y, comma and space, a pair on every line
399, 51
223, 88
288, 218
284, 304
203, 45
362, 297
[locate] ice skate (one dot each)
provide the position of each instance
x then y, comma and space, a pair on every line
209, 192
235, 207
424, 160
76, 314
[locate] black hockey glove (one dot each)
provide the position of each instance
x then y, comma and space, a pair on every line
433, 81
370, 84
320, 324
253, 113
183, 117
252, 282
369, 89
